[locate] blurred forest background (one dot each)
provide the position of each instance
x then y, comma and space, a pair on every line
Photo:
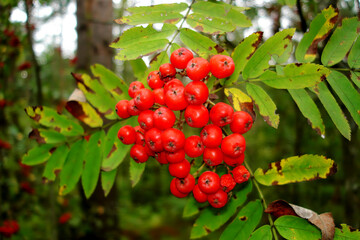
38, 72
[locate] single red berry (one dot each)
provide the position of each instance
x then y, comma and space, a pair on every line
193, 146
164, 118
174, 191
140, 139
175, 157
121, 109
139, 129
185, 185
196, 116
199, 195
221, 66
233, 145
172, 139
234, 161
221, 114
197, 68
132, 108
127, 135
149, 152
167, 70
144, 99
173, 83
212, 156
227, 183
211, 136
196, 93
218, 199
153, 140
65, 217
241, 123
180, 170
241, 174
180, 58
134, 87
138, 153
161, 157
159, 96
209, 182
154, 80
175, 98
146, 119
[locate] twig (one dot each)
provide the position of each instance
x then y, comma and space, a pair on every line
301, 15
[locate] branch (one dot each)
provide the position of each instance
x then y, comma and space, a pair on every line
301, 15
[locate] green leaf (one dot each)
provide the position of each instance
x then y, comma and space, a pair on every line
340, 42
97, 95
136, 171
92, 163
157, 61
237, 98
211, 219
139, 68
291, 227
214, 18
108, 180
210, 82
241, 55
333, 109
201, 45
244, 223
174, 46
55, 163
38, 154
319, 29
265, 104
283, 58
296, 169
354, 55
295, 76
139, 41
347, 93
50, 118
111, 82
262, 233
85, 113
346, 233
73, 167
47, 136
191, 208
275, 45
355, 77
309, 109
161, 13
290, 3
114, 150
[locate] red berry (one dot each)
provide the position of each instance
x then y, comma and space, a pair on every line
153, 140
175, 98
199, 195
172, 139
179, 170
241, 123
134, 87
121, 109
221, 114
127, 135
218, 199
213, 156
196, 116
146, 119
233, 145
209, 182
161, 157
173, 83
196, 93
227, 182
211, 136
197, 68
174, 191
185, 185
233, 161
132, 108
167, 70
180, 57
149, 152
164, 118
222, 66
241, 174
175, 157
154, 80
138, 153
193, 146
140, 139
144, 99
159, 96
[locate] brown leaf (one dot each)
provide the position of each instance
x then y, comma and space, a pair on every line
324, 221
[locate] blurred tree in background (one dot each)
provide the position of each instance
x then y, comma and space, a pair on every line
147, 211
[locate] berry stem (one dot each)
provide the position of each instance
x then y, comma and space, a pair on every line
199, 169
211, 102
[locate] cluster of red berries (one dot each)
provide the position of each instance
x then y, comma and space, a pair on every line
9, 227
157, 136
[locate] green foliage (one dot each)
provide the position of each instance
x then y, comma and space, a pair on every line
136, 171
262, 233
291, 227
346, 232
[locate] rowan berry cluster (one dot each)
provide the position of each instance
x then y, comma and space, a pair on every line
164, 110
